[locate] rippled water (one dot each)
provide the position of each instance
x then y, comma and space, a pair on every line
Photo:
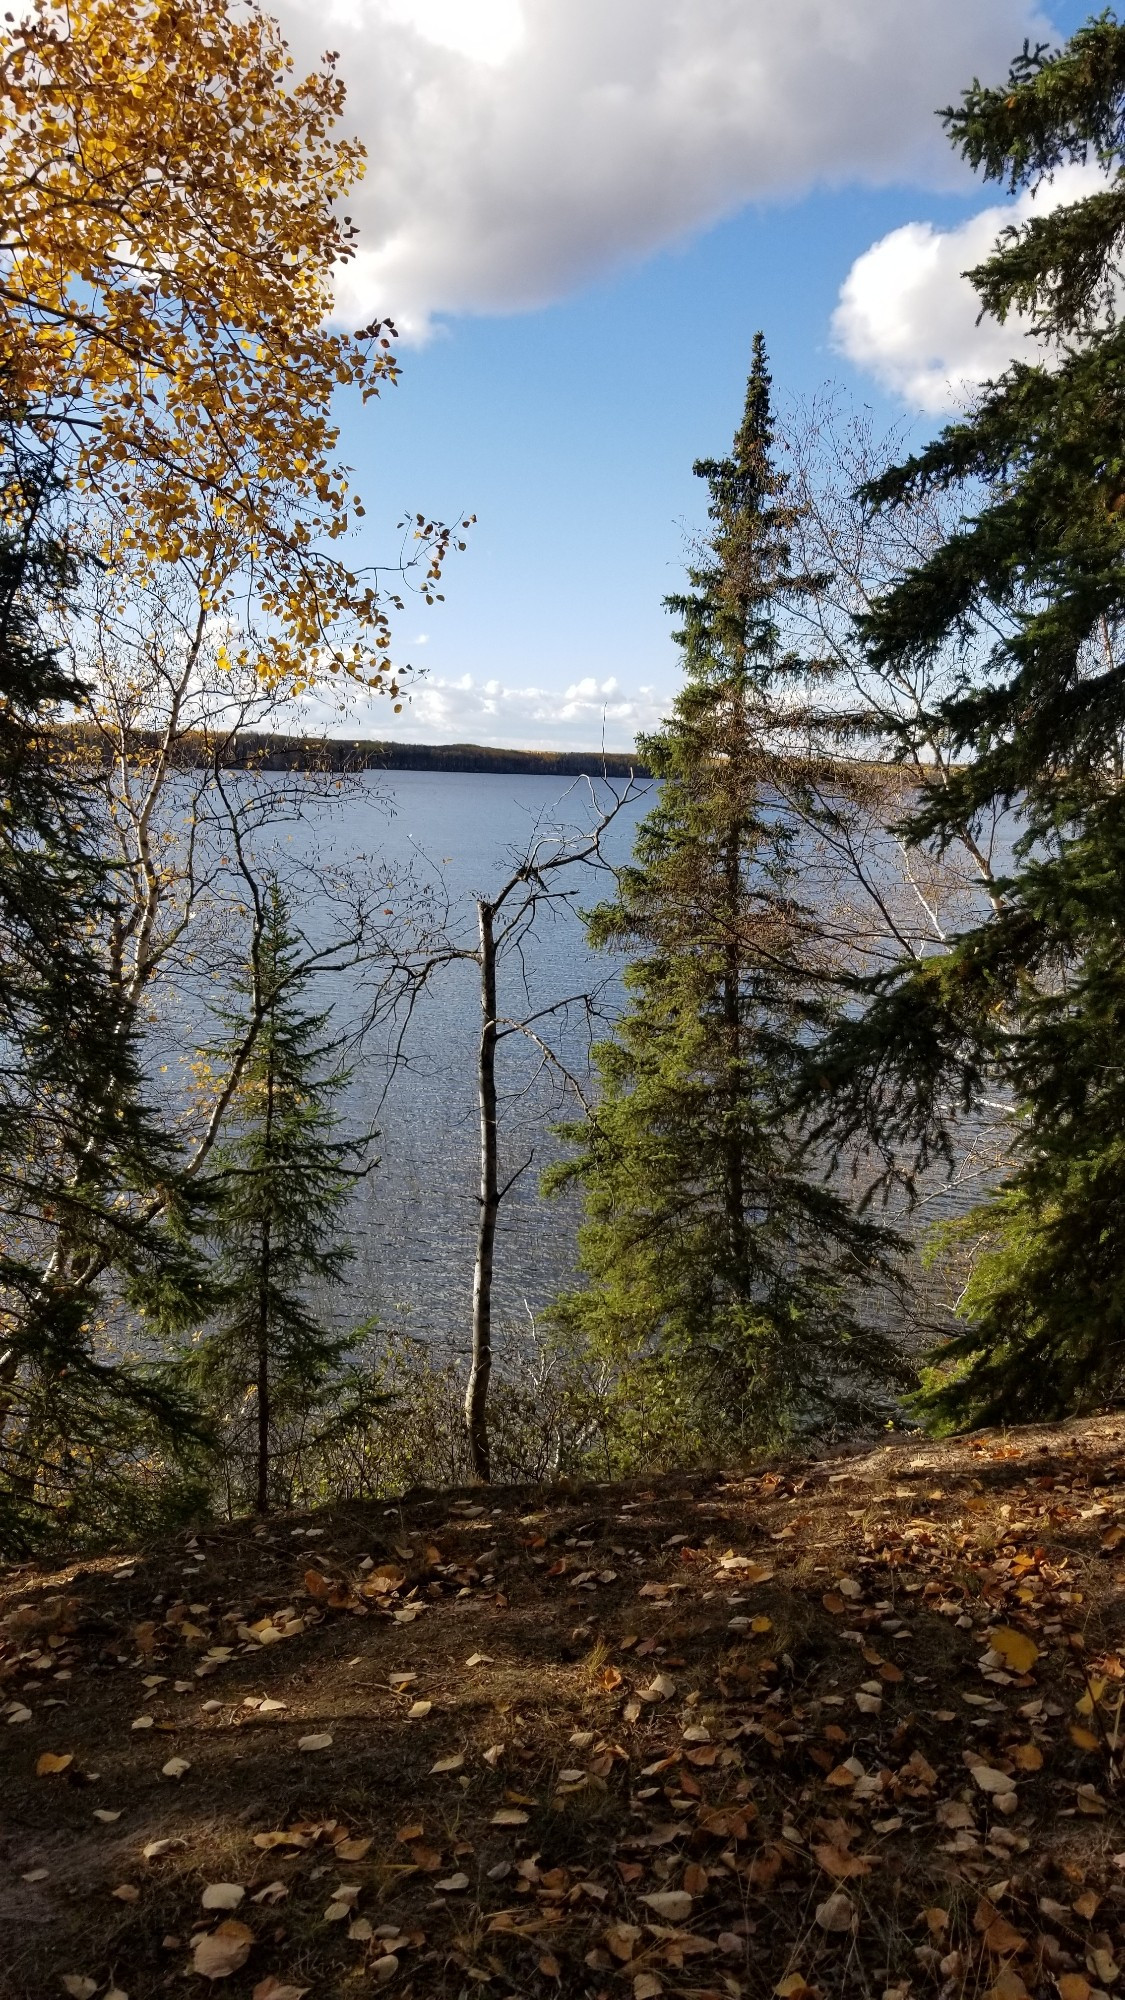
414, 1219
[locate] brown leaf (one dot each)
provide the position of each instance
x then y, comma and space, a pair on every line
622, 1940
50, 1765
1008, 1986
352, 1850
1002, 1939
841, 1865
837, 1913
273, 1989
672, 1906
222, 1952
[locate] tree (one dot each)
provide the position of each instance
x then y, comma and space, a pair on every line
542, 883
170, 199
711, 1248
78, 1144
1025, 599
280, 1185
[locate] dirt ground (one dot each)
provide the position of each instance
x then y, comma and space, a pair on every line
844, 1726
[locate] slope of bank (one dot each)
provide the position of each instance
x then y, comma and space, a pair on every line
843, 1726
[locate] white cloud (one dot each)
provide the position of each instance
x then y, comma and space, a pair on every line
909, 316
584, 716
518, 148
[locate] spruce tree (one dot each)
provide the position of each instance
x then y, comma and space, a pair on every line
80, 1152
279, 1187
1023, 609
715, 1256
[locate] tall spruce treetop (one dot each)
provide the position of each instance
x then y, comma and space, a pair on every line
713, 1253
1024, 606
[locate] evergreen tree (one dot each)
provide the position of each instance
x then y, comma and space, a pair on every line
1025, 604
712, 1249
79, 1151
279, 1187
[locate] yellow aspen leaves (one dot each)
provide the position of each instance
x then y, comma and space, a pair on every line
170, 195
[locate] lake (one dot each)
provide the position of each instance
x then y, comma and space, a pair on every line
414, 1219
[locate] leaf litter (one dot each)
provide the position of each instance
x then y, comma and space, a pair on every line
836, 1721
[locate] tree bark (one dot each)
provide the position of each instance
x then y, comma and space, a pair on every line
263, 1330
476, 1395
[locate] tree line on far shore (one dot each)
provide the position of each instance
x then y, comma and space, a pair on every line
871, 932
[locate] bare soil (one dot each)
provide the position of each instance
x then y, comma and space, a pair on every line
842, 1726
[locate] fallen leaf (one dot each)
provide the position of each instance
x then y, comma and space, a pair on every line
220, 1953
647, 1986
674, 1906
660, 1689
1074, 1986
78, 1986
988, 1780
50, 1765
479, 1660
154, 1848
1008, 1986
509, 1816
747, 1569
106, 1817
1017, 1649
1028, 1757
273, 1989
385, 1968
444, 1764
176, 1767
419, 1710
837, 1913
453, 1883
320, 1742
274, 1892
352, 1850
126, 1892
837, 1862
222, 1895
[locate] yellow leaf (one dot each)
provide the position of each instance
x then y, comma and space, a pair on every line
1016, 1648
49, 1765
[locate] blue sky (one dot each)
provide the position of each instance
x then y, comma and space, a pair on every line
569, 426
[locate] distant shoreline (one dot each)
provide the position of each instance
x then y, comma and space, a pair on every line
288, 753
261, 750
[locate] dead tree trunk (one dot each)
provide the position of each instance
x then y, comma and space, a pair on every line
476, 1395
